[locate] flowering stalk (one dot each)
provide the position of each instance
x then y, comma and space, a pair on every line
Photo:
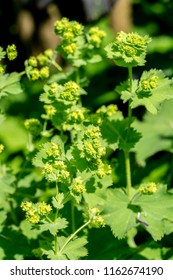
128, 50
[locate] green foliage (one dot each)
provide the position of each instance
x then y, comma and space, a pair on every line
159, 137
159, 219
128, 50
9, 84
150, 91
71, 170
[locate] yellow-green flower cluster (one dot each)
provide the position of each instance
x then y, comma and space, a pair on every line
103, 169
11, 52
149, 84
71, 91
76, 116
33, 126
53, 88
53, 151
44, 72
50, 111
45, 57
35, 212
93, 132
128, 49
37, 66
51, 160
56, 170
77, 187
68, 31
93, 151
52, 92
2, 69
105, 111
92, 148
1, 148
95, 36
32, 61
148, 188
95, 217
69, 49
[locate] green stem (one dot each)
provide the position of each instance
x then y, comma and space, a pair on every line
130, 72
30, 145
74, 234
57, 190
72, 217
13, 214
128, 173
131, 90
127, 153
56, 245
56, 65
22, 73
44, 126
77, 76
56, 215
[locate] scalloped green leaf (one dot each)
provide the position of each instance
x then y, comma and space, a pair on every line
118, 213
160, 137
60, 223
58, 202
118, 134
10, 84
156, 209
28, 230
75, 249
155, 97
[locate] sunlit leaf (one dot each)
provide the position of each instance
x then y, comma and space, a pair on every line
156, 208
118, 213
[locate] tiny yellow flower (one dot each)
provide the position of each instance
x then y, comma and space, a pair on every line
35, 74
1, 148
1, 69
11, 52
32, 61
50, 110
33, 219
44, 72
148, 188
26, 205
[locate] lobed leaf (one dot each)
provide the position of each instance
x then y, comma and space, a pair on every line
118, 213
60, 223
156, 209
118, 134
10, 84
75, 249
159, 138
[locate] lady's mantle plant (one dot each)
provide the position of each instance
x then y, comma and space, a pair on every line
68, 166
150, 90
